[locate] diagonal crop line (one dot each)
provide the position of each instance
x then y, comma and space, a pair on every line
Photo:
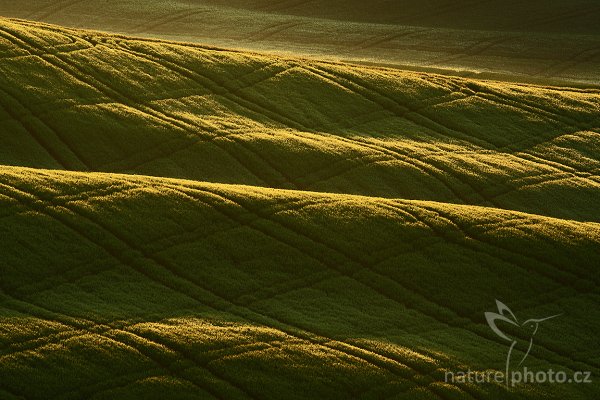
577, 59
364, 266
265, 160
512, 260
306, 282
272, 30
195, 77
185, 238
294, 183
271, 319
216, 355
70, 275
206, 367
40, 342
69, 51
31, 130
331, 77
341, 167
388, 37
525, 104
76, 324
120, 382
32, 202
110, 333
37, 342
354, 123
166, 19
287, 327
426, 168
184, 125
407, 158
583, 276
69, 321
39, 139
53, 8
71, 69
392, 105
275, 6
403, 114
517, 257
473, 50
336, 248
333, 266
226, 90
538, 159
216, 88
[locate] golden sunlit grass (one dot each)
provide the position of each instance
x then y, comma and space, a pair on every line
123, 105
231, 289
185, 222
544, 41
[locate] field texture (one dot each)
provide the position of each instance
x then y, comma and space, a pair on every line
185, 222
539, 41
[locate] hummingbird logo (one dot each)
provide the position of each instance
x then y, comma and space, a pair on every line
504, 314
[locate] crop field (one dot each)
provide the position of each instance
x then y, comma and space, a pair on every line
538, 41
184, 221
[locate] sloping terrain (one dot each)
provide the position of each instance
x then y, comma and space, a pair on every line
116, 286
84, 101
187, 222
540, 41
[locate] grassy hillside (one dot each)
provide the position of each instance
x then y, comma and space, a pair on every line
544, 41
85, 101
116, 286
311, 229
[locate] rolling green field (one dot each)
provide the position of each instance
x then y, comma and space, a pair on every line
538, 41
186, 222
